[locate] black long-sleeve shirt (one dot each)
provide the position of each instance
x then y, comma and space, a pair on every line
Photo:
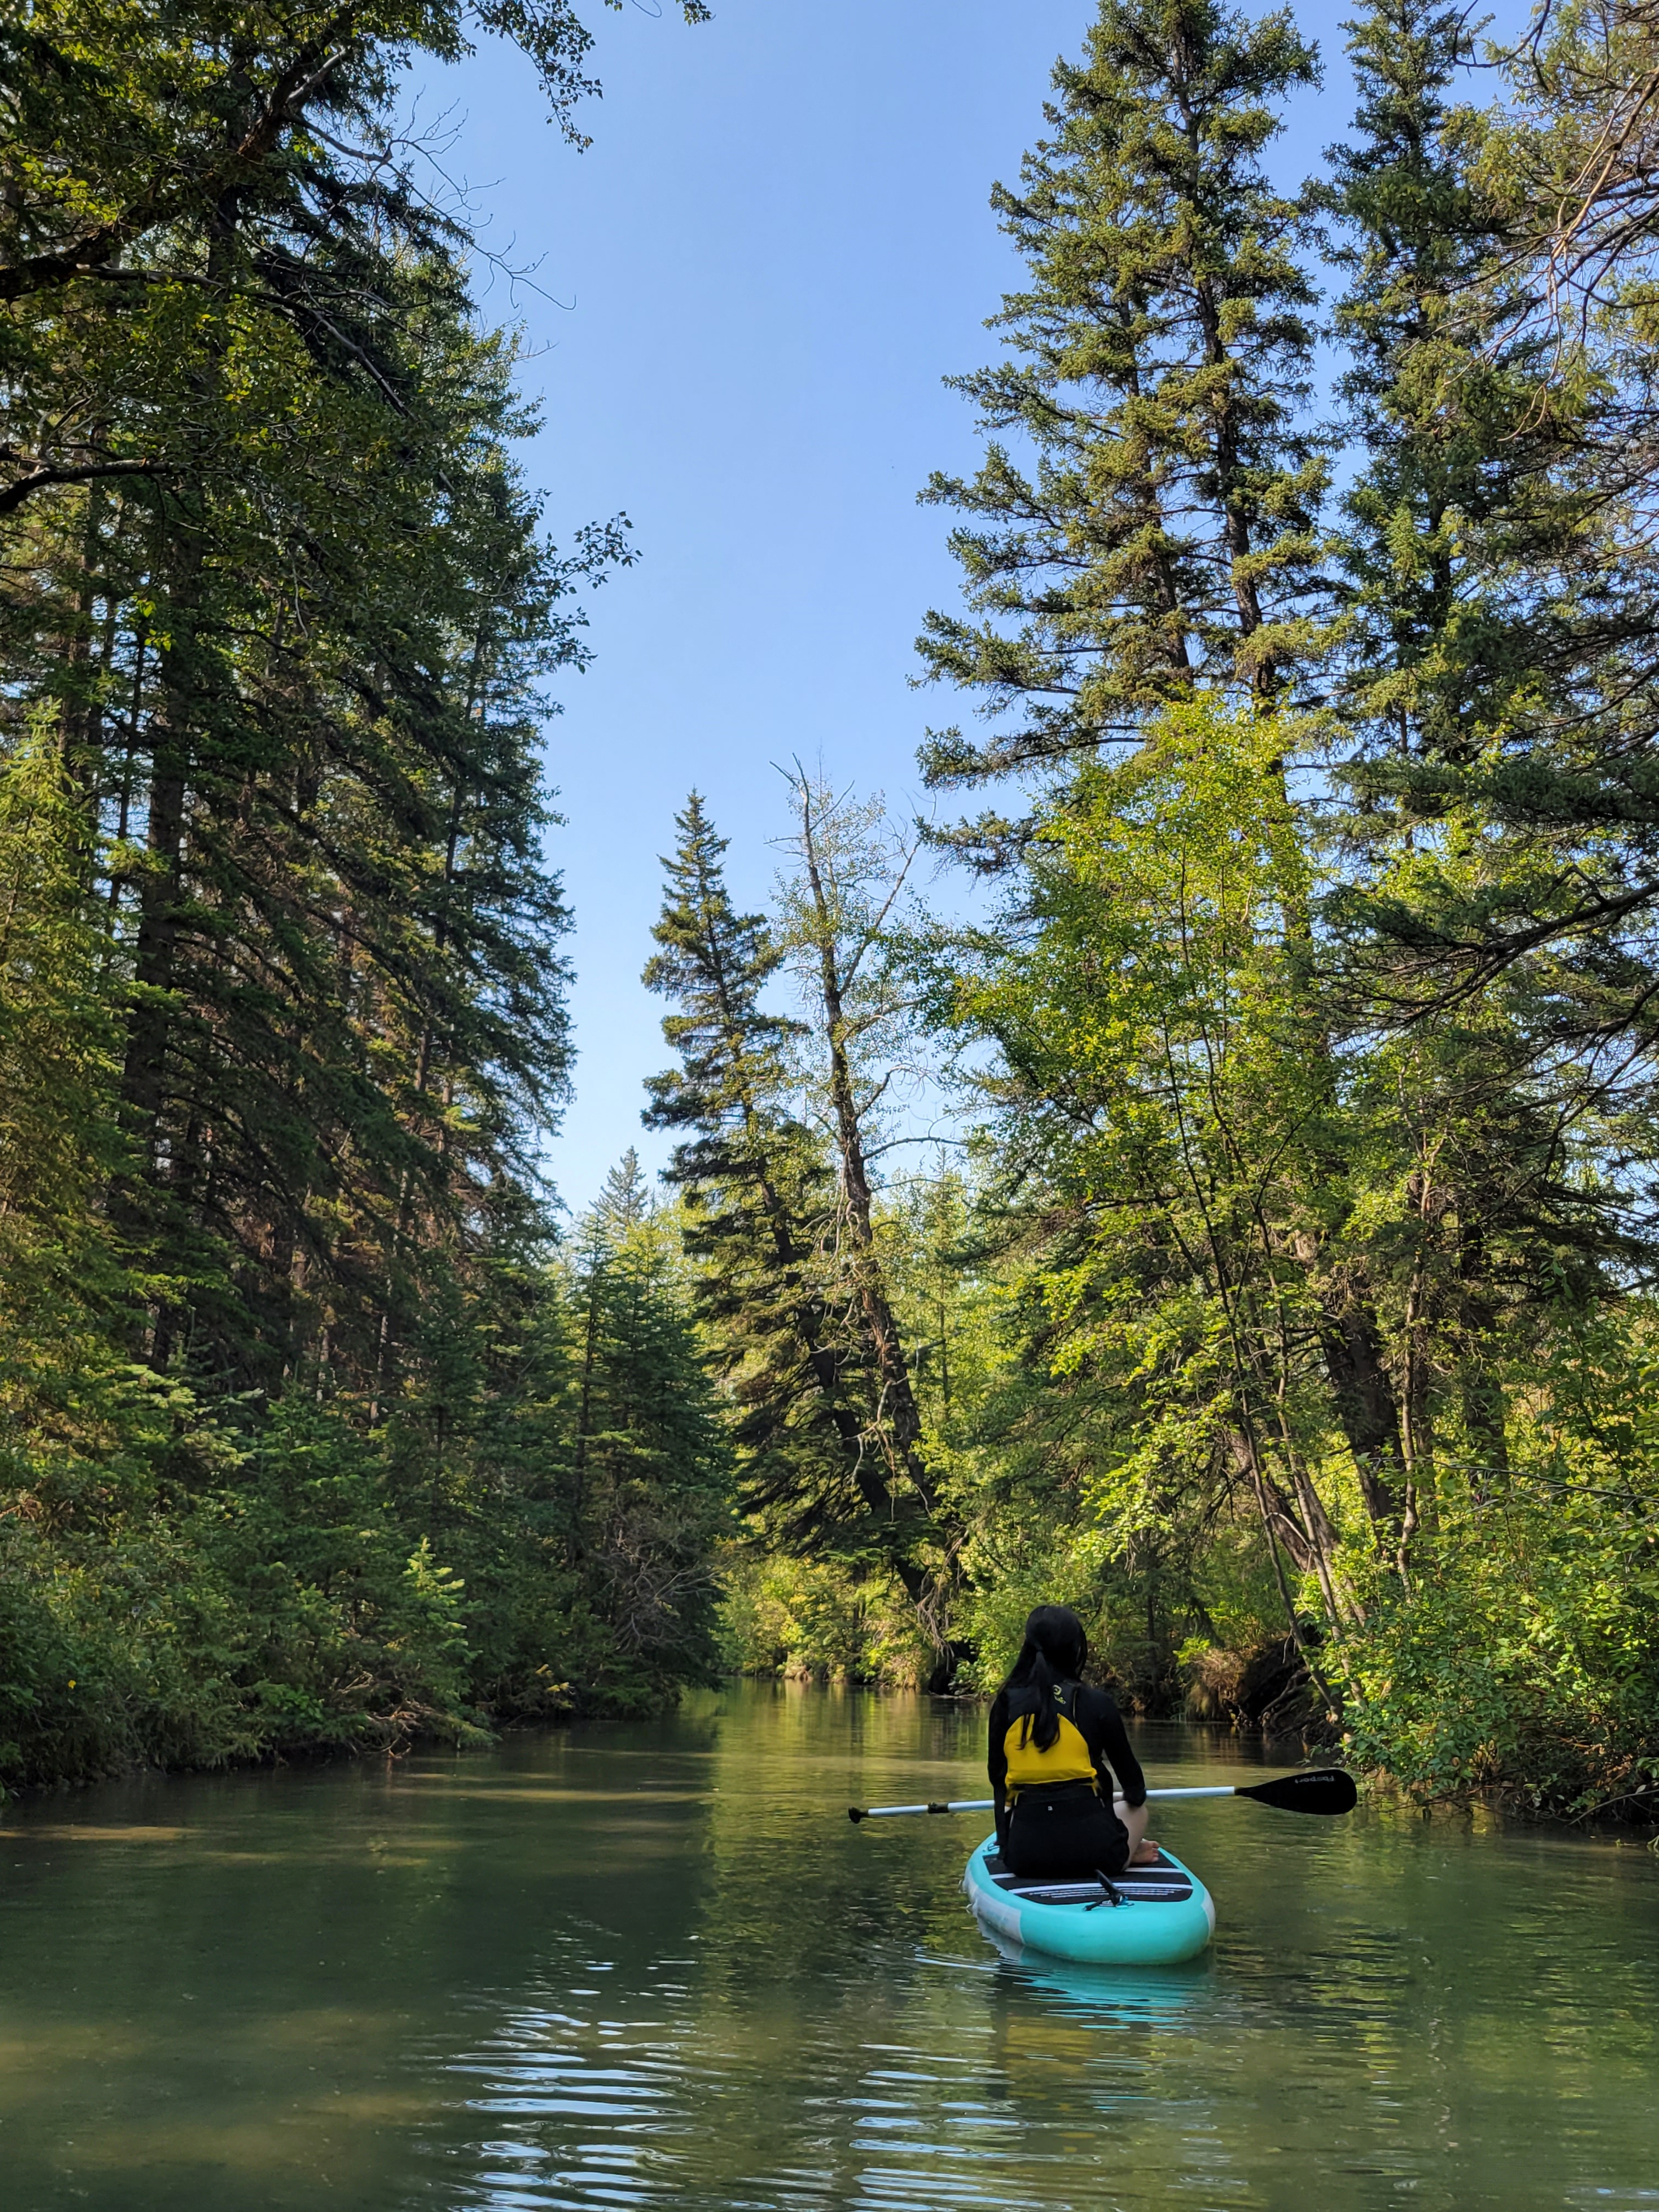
1098, 1720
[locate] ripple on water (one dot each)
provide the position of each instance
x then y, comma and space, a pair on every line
1319, 2056
634, 2111
756, 2007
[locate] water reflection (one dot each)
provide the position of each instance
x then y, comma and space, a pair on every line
657, 1967
1175, 1999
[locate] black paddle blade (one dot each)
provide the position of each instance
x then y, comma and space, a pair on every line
1318, 1790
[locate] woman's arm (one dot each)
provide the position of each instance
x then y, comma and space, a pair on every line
1112, 1745
996, 1762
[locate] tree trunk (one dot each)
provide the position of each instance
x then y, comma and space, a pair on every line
898, 1416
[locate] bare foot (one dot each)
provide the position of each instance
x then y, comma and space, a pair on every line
1144, 1853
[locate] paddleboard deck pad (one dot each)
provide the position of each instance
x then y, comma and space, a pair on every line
1155, 1915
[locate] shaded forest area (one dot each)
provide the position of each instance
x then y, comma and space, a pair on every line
1244, 1230
312, 1437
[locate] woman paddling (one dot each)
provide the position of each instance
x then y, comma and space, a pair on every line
1057, 1758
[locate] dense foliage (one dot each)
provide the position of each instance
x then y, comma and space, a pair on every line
1299, 1317
1285, 1297
310, 1437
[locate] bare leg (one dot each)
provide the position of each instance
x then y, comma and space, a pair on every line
1134, 1819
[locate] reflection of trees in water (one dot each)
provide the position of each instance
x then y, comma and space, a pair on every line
655, 1966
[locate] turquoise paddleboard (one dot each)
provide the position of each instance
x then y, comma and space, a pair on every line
1164, 1913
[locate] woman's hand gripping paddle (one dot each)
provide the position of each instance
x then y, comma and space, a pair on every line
1327, 1789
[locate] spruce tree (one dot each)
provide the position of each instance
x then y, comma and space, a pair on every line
1168, 545
282, 985
1502, 696
292, 609
1167, 534
647, 1460
1490, 619
1461, 530
760, 1226
624, 1202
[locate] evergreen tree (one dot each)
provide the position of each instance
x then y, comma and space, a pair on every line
282, 985
1240, 1211
1486, 621
292, 605
1501, 678
1478, 564
62, 1285
650, 1465
1416, 235
1171, 352
1167, 535
761, 1224
624, 1203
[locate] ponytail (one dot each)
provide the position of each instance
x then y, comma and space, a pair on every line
1042, 1726
1055, 1650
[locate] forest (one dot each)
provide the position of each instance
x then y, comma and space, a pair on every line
1203, 1172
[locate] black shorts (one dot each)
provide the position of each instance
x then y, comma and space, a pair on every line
1064, 1833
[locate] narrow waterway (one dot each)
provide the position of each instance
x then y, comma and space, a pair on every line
656, 1966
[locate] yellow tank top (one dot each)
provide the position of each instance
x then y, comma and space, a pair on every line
1067, 1759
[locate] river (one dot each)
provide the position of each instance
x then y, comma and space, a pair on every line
655, 1966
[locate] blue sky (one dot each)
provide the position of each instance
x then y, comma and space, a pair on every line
775, 248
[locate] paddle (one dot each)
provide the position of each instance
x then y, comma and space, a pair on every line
1315, 1789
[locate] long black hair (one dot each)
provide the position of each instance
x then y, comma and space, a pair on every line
1055, 1650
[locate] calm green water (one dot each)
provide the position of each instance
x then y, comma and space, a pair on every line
657, 1966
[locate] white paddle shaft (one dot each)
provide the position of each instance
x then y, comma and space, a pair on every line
960, 1805
988, 1804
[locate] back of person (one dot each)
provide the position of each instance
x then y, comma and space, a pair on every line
1058, 1754
1069, 1758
